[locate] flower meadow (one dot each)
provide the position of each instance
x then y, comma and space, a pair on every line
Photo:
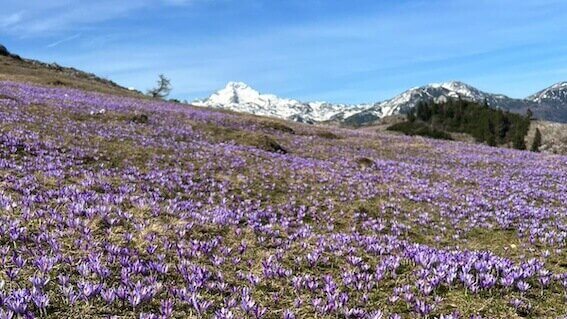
114, 207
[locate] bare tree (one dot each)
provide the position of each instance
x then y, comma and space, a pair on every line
162, 88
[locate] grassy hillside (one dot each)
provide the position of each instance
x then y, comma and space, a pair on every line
15, 68
114, 206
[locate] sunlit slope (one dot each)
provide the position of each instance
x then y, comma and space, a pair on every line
143, 209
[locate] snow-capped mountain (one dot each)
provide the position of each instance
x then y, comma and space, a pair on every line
555, 95
438, 93
239, 97
442, 93
549, 104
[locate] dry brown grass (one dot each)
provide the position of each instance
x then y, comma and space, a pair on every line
554, 136
26, 71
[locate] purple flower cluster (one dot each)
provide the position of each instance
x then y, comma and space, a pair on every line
102, 216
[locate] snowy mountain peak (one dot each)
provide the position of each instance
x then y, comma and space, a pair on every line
454, 85
237, 85
240, 88
555, 95
459, 89
550, 104
560, 85
236, 93
239, 97
436, 92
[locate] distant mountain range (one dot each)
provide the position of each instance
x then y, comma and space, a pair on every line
239, 97
549, 104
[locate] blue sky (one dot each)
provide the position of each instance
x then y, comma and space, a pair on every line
334, 50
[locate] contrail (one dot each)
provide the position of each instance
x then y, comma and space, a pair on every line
56, 43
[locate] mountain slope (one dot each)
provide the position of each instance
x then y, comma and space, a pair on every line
15, 68
549, 104
239, 97
162, 210
445, 91
555, 95
442, 92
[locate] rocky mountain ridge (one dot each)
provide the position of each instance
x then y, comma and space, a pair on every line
549, 104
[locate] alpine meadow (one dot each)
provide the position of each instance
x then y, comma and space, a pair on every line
443, 201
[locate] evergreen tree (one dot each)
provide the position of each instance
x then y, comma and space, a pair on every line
491, 136
423, 112
410, 116
480, 131
518, 141
529, 114
487, 125
537, 141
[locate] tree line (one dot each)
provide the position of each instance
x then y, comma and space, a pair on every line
487, 125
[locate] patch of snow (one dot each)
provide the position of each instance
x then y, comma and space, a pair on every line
240, 97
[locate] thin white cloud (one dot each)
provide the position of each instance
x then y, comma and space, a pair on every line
67, 39
11, 19
374, 52
47, 18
